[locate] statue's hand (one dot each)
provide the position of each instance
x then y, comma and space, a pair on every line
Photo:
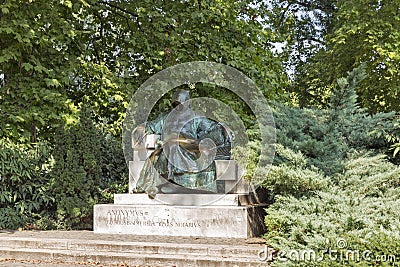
159, 145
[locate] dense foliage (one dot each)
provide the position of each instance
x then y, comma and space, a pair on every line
102, 51
24, 183
328, 38
38, 56
331, 183
56, 55
77, 173
42, 191
335, 174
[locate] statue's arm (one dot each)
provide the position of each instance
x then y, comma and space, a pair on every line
155, 126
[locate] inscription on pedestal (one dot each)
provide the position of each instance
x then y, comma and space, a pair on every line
212, 221
141, 217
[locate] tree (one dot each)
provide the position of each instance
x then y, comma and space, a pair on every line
330, 183
303, 24
326, 136
135, 39
102, 51
369, 32
40, 42
349, 34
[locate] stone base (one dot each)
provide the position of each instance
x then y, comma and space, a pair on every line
189, 199
200, 221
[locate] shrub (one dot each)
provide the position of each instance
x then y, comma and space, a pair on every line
114, 169
325, 137
291, 175
331, 183
89, 168
24, 183
76, 175
41, 191
360, 208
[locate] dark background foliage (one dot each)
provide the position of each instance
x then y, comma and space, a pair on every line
329, 68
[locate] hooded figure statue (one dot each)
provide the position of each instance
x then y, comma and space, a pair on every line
183, 161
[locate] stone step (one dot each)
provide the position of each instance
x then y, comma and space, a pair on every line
133, 247
130, 259
104, 251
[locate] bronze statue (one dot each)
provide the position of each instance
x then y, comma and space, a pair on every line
183, 161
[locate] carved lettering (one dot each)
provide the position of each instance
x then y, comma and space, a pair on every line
140, 217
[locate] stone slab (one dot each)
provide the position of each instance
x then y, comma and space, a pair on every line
151, 140
210, 221
226, 170
179, 199
141, 154
192, 199
239, 187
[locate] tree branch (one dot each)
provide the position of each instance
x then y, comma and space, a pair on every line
120, 9
282, 17
136, 16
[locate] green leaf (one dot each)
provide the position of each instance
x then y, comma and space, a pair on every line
118, 98
52, 82
18, 118
27, 66
396, 151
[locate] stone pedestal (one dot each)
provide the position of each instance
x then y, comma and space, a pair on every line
234, 213
200, 221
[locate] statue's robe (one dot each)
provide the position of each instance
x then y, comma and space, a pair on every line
176, 159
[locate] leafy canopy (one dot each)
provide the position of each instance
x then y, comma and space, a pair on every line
57, 54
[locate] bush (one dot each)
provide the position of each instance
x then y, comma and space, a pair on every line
391, 132
76, 175
114, 169
360, 208
292, 175
24, 183
326, 137
39, 191
89, 168
330, 183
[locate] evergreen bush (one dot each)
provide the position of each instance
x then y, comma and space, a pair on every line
361, 208
331, 182
76, 175
89, 168
114, 169
326, 136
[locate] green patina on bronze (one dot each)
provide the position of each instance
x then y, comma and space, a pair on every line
181, 146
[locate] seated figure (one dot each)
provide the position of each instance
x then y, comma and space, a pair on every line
183, 160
